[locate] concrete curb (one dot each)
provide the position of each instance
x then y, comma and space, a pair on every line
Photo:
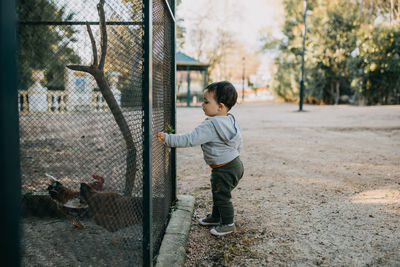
173, 247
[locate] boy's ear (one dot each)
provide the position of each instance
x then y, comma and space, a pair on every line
221, 106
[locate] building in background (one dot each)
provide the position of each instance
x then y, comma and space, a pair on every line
191, 80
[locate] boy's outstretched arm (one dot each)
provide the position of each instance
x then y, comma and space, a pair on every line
201, 134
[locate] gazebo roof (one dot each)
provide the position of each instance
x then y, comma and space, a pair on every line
185, 62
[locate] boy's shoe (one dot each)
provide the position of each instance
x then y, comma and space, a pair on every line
223, 229
209, 220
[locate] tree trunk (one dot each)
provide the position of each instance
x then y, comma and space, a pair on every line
97, 71
337, 93
331, 99
124, 128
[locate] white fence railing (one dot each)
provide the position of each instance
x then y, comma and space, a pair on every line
57, 102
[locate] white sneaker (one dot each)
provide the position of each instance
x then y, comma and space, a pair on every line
223, 229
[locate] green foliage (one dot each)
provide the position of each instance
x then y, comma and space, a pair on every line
169, 129
348, 52
44, 46
376, 72
331, 53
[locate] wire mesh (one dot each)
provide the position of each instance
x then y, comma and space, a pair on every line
70, 136
162, 93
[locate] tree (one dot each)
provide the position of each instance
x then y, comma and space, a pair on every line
385, 9
44, 46
210, 39
96, 69
352, 51
285, 83
331, 54
376, 68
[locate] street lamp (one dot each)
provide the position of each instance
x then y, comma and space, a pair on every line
243, 75
302, 58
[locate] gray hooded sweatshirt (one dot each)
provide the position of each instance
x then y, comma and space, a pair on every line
220, 139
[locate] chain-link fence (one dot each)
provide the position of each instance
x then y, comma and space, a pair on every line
82, 141
163, 77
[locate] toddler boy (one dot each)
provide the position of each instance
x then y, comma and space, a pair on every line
220, 138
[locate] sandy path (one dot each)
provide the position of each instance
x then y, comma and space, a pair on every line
321, 187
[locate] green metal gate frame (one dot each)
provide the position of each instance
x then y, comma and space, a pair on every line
9, 140
147, 160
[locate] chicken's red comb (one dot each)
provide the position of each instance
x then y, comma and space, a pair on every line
98, 178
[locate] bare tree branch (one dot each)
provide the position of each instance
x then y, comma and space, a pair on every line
94, 49
87, 69
98, 74
103, 41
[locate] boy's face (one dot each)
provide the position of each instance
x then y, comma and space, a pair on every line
210, 106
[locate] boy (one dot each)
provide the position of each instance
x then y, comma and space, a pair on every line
221, 140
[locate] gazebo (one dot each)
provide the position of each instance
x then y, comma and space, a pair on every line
188, 64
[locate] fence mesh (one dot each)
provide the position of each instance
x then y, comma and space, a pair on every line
69, 135
162, 78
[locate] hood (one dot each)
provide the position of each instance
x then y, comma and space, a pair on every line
227, 128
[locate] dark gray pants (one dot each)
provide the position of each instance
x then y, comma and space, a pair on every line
223, 180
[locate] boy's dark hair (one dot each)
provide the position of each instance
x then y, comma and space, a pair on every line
224, 92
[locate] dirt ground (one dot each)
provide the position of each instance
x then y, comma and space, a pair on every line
321, 187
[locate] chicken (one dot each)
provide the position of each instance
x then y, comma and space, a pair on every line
62, 194
111, 210
59, 193
98, 184
68, 201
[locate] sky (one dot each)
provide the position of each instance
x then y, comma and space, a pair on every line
247, 20
252, 16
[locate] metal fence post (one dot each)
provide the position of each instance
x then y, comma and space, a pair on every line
173, 104
10, 182
147, 157
302, 58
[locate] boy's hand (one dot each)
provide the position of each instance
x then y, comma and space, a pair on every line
161, 137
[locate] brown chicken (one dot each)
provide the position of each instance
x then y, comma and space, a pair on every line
98, 183
68, 201
63, 194
111, 210
60, 193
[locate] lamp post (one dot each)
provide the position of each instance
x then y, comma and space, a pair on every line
302, 58
243, 75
